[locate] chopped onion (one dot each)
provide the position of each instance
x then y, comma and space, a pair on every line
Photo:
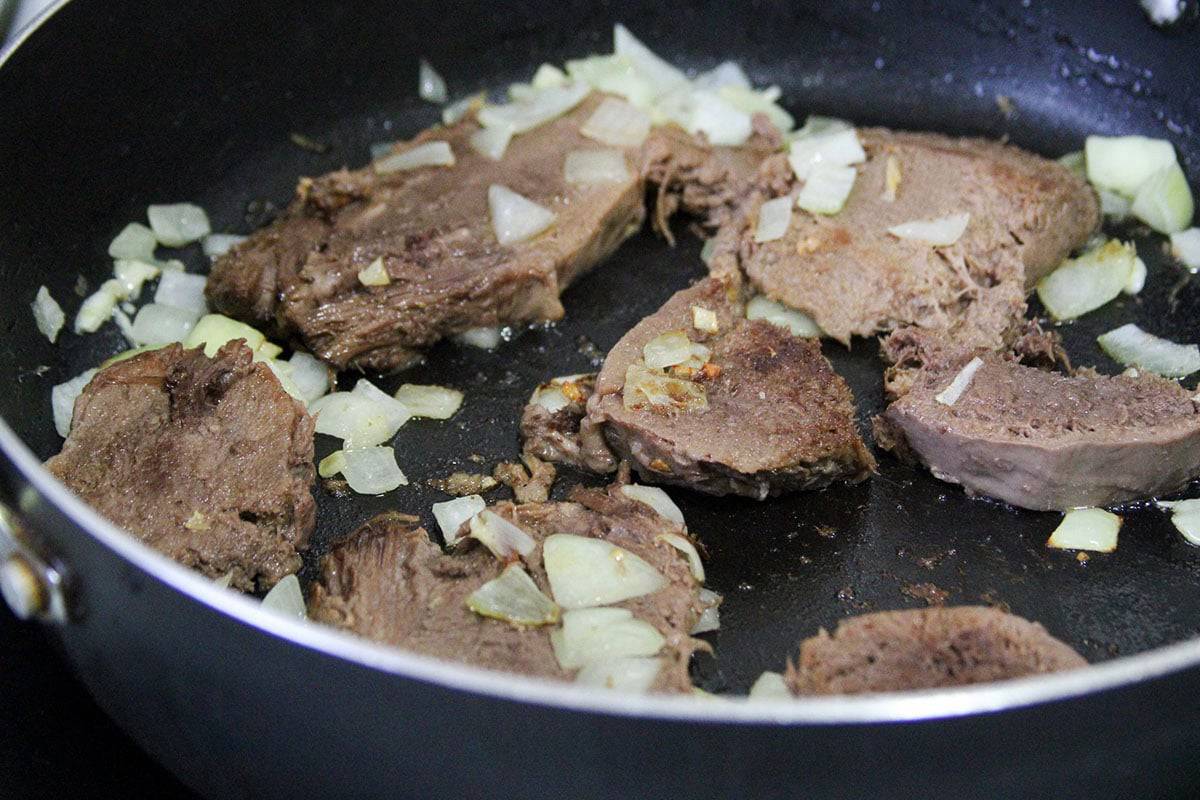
430, 154
225, 581
332, 464
375, 274
538, 108
132, 275
834, 148
282, 371
548, 76
123, 323
178, 224
1113, 205
451, 515
286, 598
1084, 284
949, 396
722, 123
267, 351
558, 393
770, 686
455, 112
432, 402
135, 241
634, 675
62, 400
1086, 529
662, 75
491, 142
759, 102
1185, 246
125, 356
1164, 201
157, 324
826, 189
667, 350
514, 218
685, 546
708, 251
380, 149
816, 125
727, 73
799, 324
483, 338
357, 420
705, 320
98, 307
1163, 12
1130, 345
710, 617
615, 74
182, 290
617, 123
310, 375
940, 232
589, 635
397, 413
214, 330
586, 572
1122, 164
504, 539
774, 217
586, 167
891, 179
372, 470
216, 245
1137, 278
47, 314
1185, 516
643, 386
1075, 162
430, 85
657, 499
513, 597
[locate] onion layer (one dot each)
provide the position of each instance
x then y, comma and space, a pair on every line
587, 572
1086, 283
513, 597
516, 219
1087, 529
1132, 346
178, 224
47, 314
286, 598
451, 515
432, 402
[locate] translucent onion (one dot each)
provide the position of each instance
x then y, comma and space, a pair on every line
599, 634
216, 245
1122, 164
310, 375
710, 617
62, 400
1132, 346
355, 419
539, 108
1086, 283
588, 167
949, 396
827, 189
457, 110
1114, 206
1075, 162
667, 350
836, 147
661, 74
215, 330
514, 218
1185, 516
657, 499
614, 74
332, 464
685, 546
157, 324
770, 686
430, 154
182, 290
1164, 201
548, 76
774, 217
758, 102
617, 123
135, 241
132, 275
513, 597
225, 581
633, 675
98, 307
286, 598
430, 85
816, 125
1185, 246
725, 74
432, 402
451, 515
504, 539
47, 314
587, 572
1086, 529
721, 123
705, 320
644, 387
796, 322
940, 232
372, 470
375, 274
178, 224
282, 371
483, 338
708, 251
491, 142
397, 413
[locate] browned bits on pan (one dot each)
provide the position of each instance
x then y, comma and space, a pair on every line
658, 465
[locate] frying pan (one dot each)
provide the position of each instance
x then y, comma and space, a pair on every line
109, 106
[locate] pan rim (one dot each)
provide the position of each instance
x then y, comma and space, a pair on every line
892, 707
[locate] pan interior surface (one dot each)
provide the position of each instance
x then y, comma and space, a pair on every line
205, 112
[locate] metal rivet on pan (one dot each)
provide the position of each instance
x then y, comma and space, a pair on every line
30, 586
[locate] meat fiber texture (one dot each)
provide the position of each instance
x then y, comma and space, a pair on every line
207, 460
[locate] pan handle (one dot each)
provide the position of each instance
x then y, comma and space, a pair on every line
31, 587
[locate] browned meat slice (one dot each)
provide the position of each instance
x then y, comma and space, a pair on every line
856, 279
927, 648
1043, 440
205, 459
554, 425
388, 582
432, 229
766, 414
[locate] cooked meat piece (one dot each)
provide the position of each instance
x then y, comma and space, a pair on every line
927, 648
1043, 440
432, 228
856, 279
554, 427
207, 460
388, 582
775, 416
530, 482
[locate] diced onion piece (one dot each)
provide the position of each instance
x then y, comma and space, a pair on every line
430, 154
657, 499
216, 245
721, 123
1137, 278
225, 581
705, 320
282, 371
286, 598
633, 675
47, 314
135, 241
1185, 246
816, 125
310, 375
708, 251
548, 76
1084, 284
375, 274
125, 356
380, 149
1086, 529
514, 218
667, 350
1185, 516
178, 224
157, 324
483, 338
451, 514
454, 112
537, 109
710, 617
587, 167
1113, 205
491, 142
662, 75
599, 634
949, 396
1075, 162
1163, 12
124, 323
1122, 164
354, 418
891, 179
513, 597
432, 402
98, 307
940, 232
372, 470
835, 148
215, 330
182, 290
617, 123
560, 392
62, 400
725, 74
1132, 346
132, 275
505, 540
774, 217
798, 323
586, 572
758, 102
332, 464
685, 546
615, 74
1164, 201
397, 413
770, 686
430, 85
826, 190
643, 386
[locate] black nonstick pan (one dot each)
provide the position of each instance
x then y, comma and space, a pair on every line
109, 106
